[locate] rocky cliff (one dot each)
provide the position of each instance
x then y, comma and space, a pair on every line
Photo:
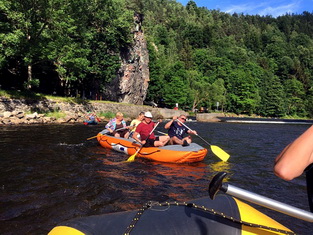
131, 82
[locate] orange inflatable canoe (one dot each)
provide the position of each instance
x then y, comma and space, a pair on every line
168, 153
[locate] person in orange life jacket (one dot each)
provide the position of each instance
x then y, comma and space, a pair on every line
176, 131
297, 158
144, 129
118, 123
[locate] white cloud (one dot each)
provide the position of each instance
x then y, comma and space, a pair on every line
275, 8
239, 8
279, 10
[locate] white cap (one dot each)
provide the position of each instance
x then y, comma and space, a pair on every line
148, 114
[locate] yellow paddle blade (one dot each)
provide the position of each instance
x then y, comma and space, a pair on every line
131, 158
220, 153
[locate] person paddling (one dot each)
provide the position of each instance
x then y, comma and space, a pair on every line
144, 129
117, 126
176, 131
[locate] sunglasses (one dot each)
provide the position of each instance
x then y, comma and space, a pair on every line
183, 119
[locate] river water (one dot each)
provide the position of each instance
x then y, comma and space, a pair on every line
52, 173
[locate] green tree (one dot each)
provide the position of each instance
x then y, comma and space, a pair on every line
309, 103
24, 24
93, 34
176, 91
176, 88
272, 97
157, 65
294, 97
243, 92
199, 89
217, 93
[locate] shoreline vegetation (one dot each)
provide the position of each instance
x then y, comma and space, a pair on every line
35, 108
27, 114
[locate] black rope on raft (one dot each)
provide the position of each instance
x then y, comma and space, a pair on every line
150, 204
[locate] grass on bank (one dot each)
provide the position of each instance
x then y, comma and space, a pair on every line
106, 114
55, 114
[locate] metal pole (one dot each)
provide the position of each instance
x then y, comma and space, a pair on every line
268, 203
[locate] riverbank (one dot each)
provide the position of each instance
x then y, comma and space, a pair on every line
44, 111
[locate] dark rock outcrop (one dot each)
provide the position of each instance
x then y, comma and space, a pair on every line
131, 83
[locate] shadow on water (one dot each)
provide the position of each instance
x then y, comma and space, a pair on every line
51, 173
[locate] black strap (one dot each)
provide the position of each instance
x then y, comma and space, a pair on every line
309, 185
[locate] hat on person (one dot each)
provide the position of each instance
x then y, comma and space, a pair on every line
148, 114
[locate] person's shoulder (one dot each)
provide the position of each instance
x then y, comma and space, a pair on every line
172, 124
140, 124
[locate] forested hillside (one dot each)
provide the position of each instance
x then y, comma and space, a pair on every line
198, 56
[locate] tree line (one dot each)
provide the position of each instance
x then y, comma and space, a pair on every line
198, 57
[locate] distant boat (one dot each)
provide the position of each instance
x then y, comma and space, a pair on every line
90, 123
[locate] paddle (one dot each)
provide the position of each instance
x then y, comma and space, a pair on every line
92, 137
216, 185
132, 157
163, 133
215, 149
105, 131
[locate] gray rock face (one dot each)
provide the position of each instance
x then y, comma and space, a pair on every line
131, 83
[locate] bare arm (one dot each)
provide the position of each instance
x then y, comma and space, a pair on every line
292, 161
168, 125
192, 132
142, 142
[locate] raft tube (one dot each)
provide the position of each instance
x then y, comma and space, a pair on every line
168, 153
224, 215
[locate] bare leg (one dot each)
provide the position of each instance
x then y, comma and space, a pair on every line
162, 141
175, 140
188, 139
126, 135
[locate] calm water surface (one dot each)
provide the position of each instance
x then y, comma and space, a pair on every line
51, 173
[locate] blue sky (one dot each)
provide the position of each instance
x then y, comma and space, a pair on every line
253, 7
